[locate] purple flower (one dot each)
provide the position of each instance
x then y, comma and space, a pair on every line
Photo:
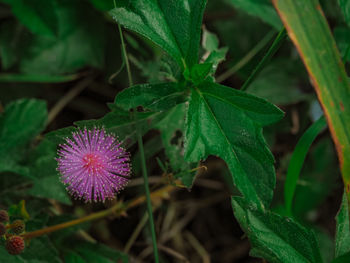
93, 165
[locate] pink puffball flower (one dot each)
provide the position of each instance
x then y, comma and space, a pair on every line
93, 165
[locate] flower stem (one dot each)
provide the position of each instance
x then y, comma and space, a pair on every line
117, 209
148, 197
282, 35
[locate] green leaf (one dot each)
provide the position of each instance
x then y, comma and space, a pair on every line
260, 8
308, 29
63, 238
325, 243
42, 250
19, 210
103, 5
22, 120
342, 259
173, 25
214, 54
227, 123
80, 42
12, 43
342, 38
345, 8
210, 41
160, 97
278, 84
155, 97
50, 187
318, 181
96, 252
46, 182
216, 57
342, 236
172, 129
122, 123
298, 158
276, 238
6, 257
39, 16
198, 72
72, 257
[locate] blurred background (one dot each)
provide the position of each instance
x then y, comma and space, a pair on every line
68, 53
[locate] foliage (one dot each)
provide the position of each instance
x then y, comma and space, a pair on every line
54, 50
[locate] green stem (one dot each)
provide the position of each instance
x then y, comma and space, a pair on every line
125, 55
117, 209
148, 198
282, 35
255, 50
143, 159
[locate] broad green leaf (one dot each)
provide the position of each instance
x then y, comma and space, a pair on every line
276, 238
173, 25
325, 243
42, 250
198, 72
121, 123
12, 43
72, 257
172, 129
210, 41
308, 29
342, 259
6, 257
12, 162
80, 42
103, 5
46, 182
227, 123
22, 120
345, 8
124, 124
39, 16
278, 84
160, 97
342, 236
260, 8
96, 252
65, 237
155, 97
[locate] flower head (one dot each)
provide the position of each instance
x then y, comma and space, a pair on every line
4, 216
2, 229
93, 165
18, 226
15, 245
